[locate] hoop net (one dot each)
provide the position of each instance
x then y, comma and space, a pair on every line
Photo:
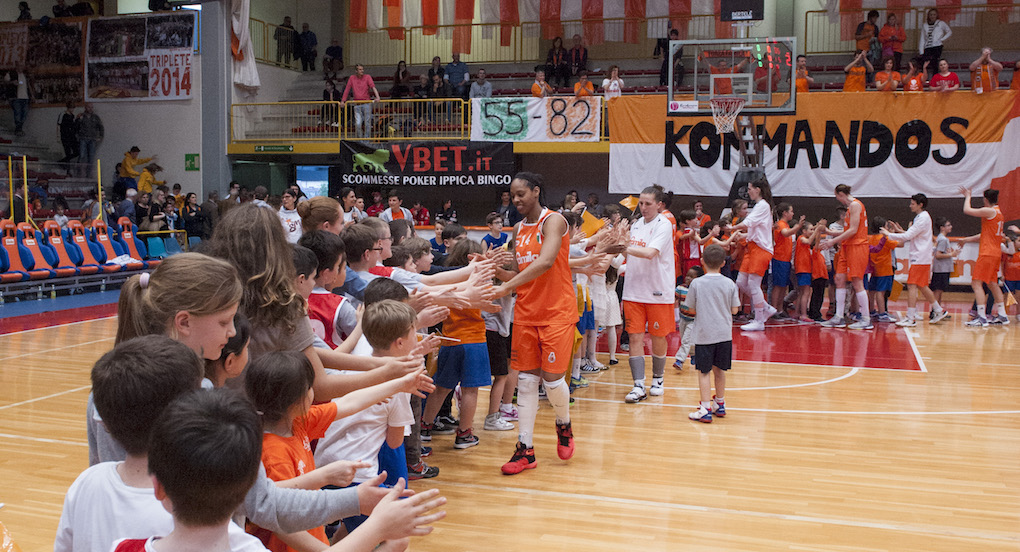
725, 110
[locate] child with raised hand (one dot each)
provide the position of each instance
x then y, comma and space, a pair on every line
880, 248
685, 322
279, 385
803, 260
714, 297
205, 452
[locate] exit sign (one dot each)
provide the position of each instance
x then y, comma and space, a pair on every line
272, 149
191, 162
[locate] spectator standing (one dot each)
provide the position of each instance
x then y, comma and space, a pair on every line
286, 37
330, 94
933, 33
358, 87
193, 217
892, 36
761, 75
804, 79
578, 57
662, 49
401, 81
540, 88
147, 181
377, 205
458, 76
308, 48
867, 38
556, 66
945, 80
481, 88
128, 173
420, 214
333, 59
856, 73
612, 86
289, 216
447, 213
984, 72
348, 204
439, 87
19, 93
67, 129
436, 69
210, 213
90, 132
60, 9
913, 81
583, 86
395, 209
24, 14
888, 79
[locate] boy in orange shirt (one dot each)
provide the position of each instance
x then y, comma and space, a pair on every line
803, 260
857, 73
880, 249
782, 255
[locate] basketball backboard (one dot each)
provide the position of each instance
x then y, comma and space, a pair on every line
758, 69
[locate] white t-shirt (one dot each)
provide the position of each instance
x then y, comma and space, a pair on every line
612, 89
410, 280
759, 225
360, 436
387, 215
919, 237
239, 541
99, 508
291, 224
651, 280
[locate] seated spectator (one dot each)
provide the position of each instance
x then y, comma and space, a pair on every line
914, 80
377, 205
420, 214
945, 80
578, 57
458, 76
333, 60
439, 88
481, 88
447, 213
141, 214
984, 72
761, 76
421, 90
540, 88
804, 80
556, 62
1015, 83
436, 68
583, 86
888, 79
857, 72
24, 14
612, 85
61, 9
892, 36
155, 219
401, 82
395, 211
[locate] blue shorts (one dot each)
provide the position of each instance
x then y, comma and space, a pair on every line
803, 278
780, 273
587, 321
1012, 285
880, 283
466, 364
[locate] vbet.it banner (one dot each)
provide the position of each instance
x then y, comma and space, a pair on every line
882, 145
552, 119
432, 163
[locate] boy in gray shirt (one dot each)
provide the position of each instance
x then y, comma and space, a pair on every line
715, 299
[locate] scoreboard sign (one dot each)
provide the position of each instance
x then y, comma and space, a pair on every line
553, 119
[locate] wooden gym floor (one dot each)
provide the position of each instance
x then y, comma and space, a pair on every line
814, 454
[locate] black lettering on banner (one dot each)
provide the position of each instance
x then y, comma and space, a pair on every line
558, 105
777, 140
587, 114
876, 131
961, 145
672, 151
730, 144
802, 140
704, 157
847, 147
911, 157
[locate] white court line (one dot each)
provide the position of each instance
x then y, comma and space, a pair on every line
37, 399
44, 440
33, 353
787, 411
791, 386
938, 530
56, 326
917, 354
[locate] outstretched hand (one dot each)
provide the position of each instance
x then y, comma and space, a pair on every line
397, 519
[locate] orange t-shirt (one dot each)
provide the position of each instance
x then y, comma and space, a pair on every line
538, 89
861, 237
989, 79
802, 84
782, 248
914, 84
1015, 83
722, 86
550, 298
882, 259
397, 214
1012, 271
702, 220
991, 235
818, 267
587, 90
802, 260
288, 457
855, 79
887, 78
466, 325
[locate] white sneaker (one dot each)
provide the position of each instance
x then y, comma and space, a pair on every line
1000, 320
939, 316
835, 322
864, 324
636, 395
918, 316
754, 326
656, 389
495, 422
907, 323
977, 322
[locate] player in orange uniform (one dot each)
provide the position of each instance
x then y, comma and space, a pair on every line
1011, 270
851, 261
783, 236
986, 269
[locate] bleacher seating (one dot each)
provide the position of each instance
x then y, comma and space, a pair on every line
62, 250
19, 257
131, 244
44, 257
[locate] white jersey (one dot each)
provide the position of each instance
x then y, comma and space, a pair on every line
651, 280
759, 226
919, 237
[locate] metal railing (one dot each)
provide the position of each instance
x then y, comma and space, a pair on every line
273, 48
45, 185
973, 28
285, 122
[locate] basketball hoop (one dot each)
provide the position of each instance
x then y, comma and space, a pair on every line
725, 110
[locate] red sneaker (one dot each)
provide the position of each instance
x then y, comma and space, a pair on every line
523, 459
564, 441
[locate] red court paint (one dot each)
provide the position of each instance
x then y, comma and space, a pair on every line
14, 324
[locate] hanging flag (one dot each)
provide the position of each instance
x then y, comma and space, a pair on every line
429, 16
394, 19
613, 12
849, 14
376, 15
723, 29
594, 29
634, 11
549, 16
359, 15
489, 17
948, 9
463, 18
511, 18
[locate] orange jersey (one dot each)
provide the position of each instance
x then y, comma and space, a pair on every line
802, 83
989, 79
722, 86
397, 214
466, 325
887, 78
1012, 270
991, 235
802, 261
882, 259
855, 79
588, 89
818, 267
782, 249
548, 299
861, 237
702, 220
538, 90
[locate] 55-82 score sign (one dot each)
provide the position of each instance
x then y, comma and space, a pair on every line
170, 74
553, 119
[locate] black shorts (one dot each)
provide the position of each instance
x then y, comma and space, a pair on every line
499, 353
719, 355
939, 281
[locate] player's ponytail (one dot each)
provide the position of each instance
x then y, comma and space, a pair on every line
762, 184
533, 180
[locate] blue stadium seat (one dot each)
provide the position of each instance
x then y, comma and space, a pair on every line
156, 249
173, 247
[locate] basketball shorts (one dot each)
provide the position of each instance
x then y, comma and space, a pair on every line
587, 320
658, 319
880, 283
852, 260
719, 355
756, 260
499, 352
919, 275
940, 281
803, 278
545, 347
780, 273
466, 364
1012, 285
986, 269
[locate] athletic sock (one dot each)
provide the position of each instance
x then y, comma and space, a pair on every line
637, 367
658, 366
720, 401
840, 302
707, 405
759, 314
862, 305
1001, 308
527, 407
936, 307
981, 310
911, 311
559, 397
